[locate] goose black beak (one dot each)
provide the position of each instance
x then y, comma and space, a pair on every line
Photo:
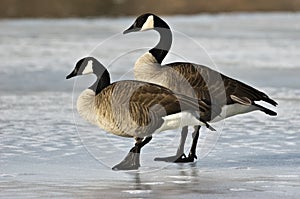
72, 74
131, 29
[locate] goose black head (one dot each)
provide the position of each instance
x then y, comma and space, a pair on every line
146, 21
87, 65
90, 65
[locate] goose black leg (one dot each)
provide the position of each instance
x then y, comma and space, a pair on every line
132, 159
192, 154
180, 157
180, 151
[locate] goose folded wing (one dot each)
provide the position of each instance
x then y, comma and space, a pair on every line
157, 101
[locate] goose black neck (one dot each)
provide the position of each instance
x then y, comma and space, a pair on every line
103, 80
162, 48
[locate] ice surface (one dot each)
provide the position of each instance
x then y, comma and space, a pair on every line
44, 154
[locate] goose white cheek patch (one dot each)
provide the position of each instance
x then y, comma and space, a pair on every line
149, 24
89, 68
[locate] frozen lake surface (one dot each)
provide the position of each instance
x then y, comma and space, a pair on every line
46, 150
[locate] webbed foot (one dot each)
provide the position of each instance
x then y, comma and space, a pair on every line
177, 159
186, 159
130, 162
132, 159
169, 158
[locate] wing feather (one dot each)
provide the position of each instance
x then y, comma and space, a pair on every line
214, 86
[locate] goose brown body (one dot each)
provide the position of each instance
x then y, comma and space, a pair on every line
134, 108
199, 81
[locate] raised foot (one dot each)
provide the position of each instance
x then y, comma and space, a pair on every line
178, 159
130, 162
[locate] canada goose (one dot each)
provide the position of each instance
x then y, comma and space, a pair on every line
192, 80
134, 108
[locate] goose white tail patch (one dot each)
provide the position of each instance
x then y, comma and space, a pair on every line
234, 109
179, 120
149, 24
88, 68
